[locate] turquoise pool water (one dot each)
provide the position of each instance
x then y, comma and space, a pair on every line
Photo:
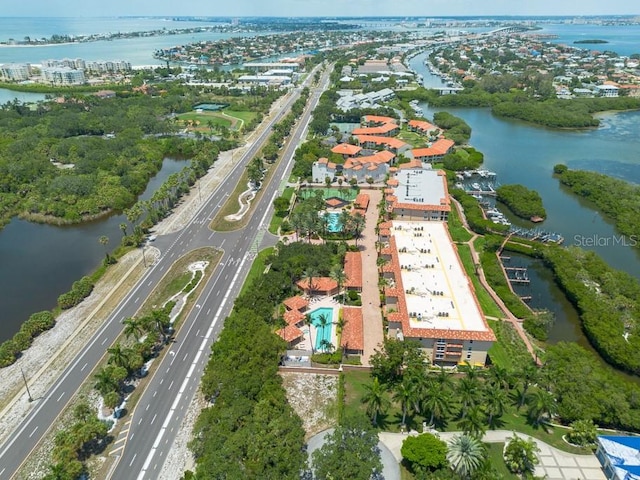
334, 225
322, 333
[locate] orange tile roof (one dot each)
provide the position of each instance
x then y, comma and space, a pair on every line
362, 201
296, 303
346, 149
412, 164
378, 119
389, 141
320, 284
353, 269
381, 130
290, 333
402, 315
393, 182
440, 147
334, 202
293, 317
323, 160
422, 125
352, 333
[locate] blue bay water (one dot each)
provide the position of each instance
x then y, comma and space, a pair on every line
623, 39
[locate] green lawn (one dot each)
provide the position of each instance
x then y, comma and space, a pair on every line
494, 450
456, 228
509, 351
204, 118
243, 115
257, 268
412, 138
276, 221
489, 307
512, 420
347, 192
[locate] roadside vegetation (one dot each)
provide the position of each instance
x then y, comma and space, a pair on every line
250, 429
84, 432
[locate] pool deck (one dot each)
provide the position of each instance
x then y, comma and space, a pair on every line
314, 304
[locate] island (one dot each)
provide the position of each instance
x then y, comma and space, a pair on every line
523, 202
590, 41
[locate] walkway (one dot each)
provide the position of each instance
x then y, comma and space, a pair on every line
554, 463
371, 312
390, 467
476, 260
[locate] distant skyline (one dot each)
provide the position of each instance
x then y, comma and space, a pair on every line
314, 8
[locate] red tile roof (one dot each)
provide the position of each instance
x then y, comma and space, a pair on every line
381, 130
353, 269
346, 149
296, 303
422, 125
378, 119
334, 202
290, 333
320, 284
389, 141
438, 148
293, 317
352, 333
401, 314
362, 201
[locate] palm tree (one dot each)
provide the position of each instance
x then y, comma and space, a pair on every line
375, 399
541, 407
468, 392
358, 224
405, 396
309, 274
104, 240
326, 345
345, 222
133, 328
499, 378
337, 274
474, 422
118, 356
495, 404
308, 321
324, 322
527, 376
105, 382
161, 321
465, 454
438, 403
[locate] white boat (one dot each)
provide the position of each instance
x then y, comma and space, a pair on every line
475, 186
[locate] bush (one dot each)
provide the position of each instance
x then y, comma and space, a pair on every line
583, 432
424, 453
334, 358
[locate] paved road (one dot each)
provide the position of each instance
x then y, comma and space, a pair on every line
162, 406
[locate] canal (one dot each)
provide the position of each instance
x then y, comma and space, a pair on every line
522, 153
40, 262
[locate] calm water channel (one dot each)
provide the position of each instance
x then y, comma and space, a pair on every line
525, 154
39, 262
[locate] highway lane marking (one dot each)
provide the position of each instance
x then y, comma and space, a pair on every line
1, 472
136, 300
170, 385
104, 341
139, 421
209, 311
222, 244
148, 405
212, 234
155, 393
185, 357
60, 397
34, 431
133, 459
153, 419
84, 366
150, 282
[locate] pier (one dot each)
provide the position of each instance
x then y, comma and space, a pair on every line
519, 275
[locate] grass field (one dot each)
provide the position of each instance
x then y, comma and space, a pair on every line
201, 120
412, 138
257, 268
347, 193
276, 221
513, 420
489, 307
456, 228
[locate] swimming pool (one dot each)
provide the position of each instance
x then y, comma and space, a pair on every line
322, 333
334, 224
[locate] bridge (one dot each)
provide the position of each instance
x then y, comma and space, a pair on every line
509, 29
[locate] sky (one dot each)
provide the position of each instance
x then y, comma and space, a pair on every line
290, 8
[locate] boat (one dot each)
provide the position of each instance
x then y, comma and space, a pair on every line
475, 186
